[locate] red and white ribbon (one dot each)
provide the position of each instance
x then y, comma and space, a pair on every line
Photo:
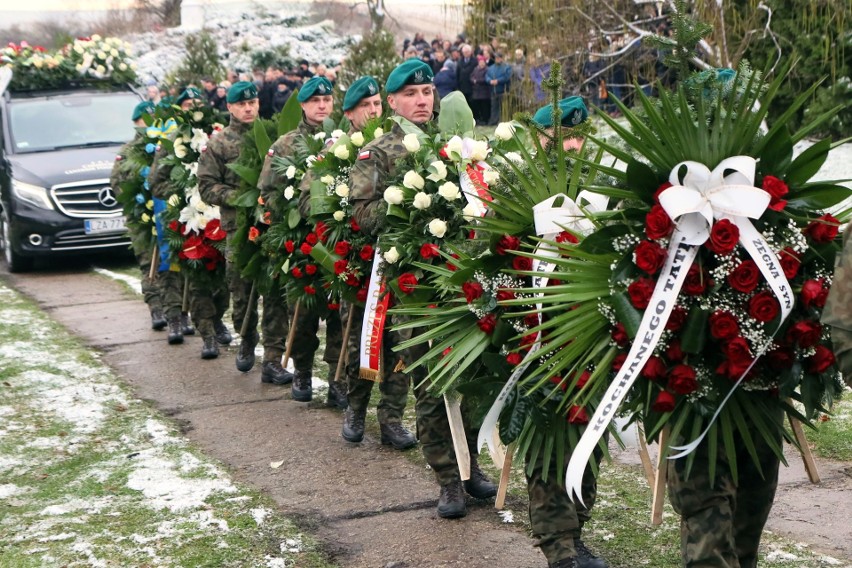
373, 325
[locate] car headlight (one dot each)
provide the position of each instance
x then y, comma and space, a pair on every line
32, 194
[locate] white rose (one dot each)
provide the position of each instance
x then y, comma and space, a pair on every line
319, 136
327, 179
100, 69
470, 211
180, 151
504, 131
78, 49
357, 139
514, 157
413, 180
490, 176
378, 133
133, 65
342, 190
288, 192
122, 66
440, 171
437, 228
96, 37
454, 146
291, 172
479, 150
411, 143
101, 55
391, 256
174, 200
422, 200
337, 134
339, 216
113, 52
197, 116
309, 161
449, 191
393, 195
342, 152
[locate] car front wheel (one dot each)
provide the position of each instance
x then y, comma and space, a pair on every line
15, 261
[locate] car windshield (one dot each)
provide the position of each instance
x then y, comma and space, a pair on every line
71, 120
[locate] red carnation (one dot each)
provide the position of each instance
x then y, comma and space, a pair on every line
578, 415
310, 290
366, 253
429, 250
406, 281
290, 246
804, 333
790, 262
513, 359
724, 236
658, 224
253, 234
213, 230
763, 306
619, 335
697, 281
487, 323
776, 189
340, 266
522, 263
297, 272
822, 359
665, 402
723, 325
744, 278
682, 379
311, 269
649, 257
342, 248
823, 230
813, 292
306, 249
507, 243
640, 293
472, 291
654, 369
311, 239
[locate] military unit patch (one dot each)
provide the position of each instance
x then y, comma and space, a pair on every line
372, 88
576, 117
271, 152
364, 155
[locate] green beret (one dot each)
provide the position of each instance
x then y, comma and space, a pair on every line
363, 87
145, 107
409, 72
242, 91
187, 94
315, 86
573, 109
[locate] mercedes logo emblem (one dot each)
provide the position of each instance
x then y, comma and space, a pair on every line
107, 197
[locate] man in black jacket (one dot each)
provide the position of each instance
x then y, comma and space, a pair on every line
466, 65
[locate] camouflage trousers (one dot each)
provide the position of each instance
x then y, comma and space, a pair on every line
208, 303
555, 520
150, 286
274, 323
306, 339
722, 520
171, 292
393, 386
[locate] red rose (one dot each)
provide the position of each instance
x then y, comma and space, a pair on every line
823, 230
472, 291
790, 262
763, 306
366, 253
640, 293
267, 218
584, 378
306, 249
310, 290
352, 280
821, 360
342, 248
507, 243
446, 351
296, 272
658, 224
487, 323
253, 234
452, 267
780, 359
354, 224
173, 226
577, 415
673, 352
557, 380
290, 246
649, 257
406, 281
661, 189
619, 335
776, 189
513, 359
310, 269
531, 320
566, 237
665, 402
654, 369
312, 239
682, 379
213, 230
528, 340
744, 278
341, 266
429, 250
738, 358
361, 295
522, 263
321, 230
697, 280
504, 294
332, 306
676, 319
618, 361
814, 293
724, 236
804, 333
723, 325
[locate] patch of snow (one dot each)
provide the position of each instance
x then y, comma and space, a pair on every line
9, 489
7, 410
275, 562
292, 545
259, 515
134, 283
163, 488
780, 556
206, 519
159, 433
828, 560
506, 515
7, 463
55, 537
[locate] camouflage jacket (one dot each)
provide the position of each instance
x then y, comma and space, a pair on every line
217, 183
838, 308
271, 181
158, 179
307, 179
122, 170
376, 164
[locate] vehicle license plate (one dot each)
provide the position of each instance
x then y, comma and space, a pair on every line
105, 225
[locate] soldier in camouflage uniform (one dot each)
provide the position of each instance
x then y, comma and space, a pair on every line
217, 185
123, 171
315, 97
838, 308
411, 96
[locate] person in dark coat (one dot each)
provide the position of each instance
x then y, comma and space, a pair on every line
481, 92
464, 67
445, 80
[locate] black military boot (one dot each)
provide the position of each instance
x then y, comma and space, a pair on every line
451, 503
565, 563
353, 425
175, 331
158, 319
479, 485
245, 354
223, 336
396, 435
186, 324
209, 349
336, 394
272, 372
302, 388
585, 558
